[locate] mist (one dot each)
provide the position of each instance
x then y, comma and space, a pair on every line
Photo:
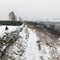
30, 9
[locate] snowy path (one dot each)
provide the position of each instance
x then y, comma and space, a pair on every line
28, 43
32, 52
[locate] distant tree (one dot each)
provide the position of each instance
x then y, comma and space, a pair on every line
12, 16
20, 19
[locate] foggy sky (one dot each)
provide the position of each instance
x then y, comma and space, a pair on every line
31, 9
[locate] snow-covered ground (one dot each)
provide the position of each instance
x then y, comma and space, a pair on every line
26, 47
32, 52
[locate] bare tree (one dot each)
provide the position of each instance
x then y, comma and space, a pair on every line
20, 19
12, 16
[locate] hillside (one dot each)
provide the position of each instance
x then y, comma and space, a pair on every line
29, 42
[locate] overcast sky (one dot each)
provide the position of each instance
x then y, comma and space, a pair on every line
31, 9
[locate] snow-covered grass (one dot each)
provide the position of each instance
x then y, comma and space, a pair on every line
26, 47
10, 29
